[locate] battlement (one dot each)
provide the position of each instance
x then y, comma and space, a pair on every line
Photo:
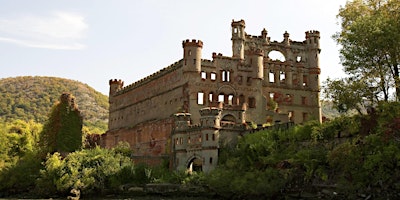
182, 116
211, 111
193, 43
312, 33
258, 52
238, 23
152, 77
117, 82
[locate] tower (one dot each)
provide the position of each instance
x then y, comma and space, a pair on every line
192, 55
257, 62
210, 124
313, 50
238, 38
115, 85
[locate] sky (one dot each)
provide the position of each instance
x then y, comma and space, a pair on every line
93, 41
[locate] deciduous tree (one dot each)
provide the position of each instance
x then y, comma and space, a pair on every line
370, 44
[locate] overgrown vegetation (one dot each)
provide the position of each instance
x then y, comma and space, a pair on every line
339, 156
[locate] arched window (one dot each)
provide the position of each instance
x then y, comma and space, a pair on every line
276, 55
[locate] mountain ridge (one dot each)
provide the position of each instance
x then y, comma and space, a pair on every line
32, 97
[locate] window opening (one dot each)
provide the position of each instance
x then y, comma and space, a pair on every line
210, 97
282, 76
303, 100
225, 76
213, 76
276, 55
203, 75
241, 99
230, 99
221, 98
291, 115
305, 80
252, 102
200, 98
271, 77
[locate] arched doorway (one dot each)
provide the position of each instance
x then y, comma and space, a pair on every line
195, 165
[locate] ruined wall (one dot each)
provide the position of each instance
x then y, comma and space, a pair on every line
147, 139
149, 99
242, 85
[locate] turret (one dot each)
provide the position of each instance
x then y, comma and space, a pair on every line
264, 35
238, 38
182, 121
192, 55
115, 85
210, 117
286, 40
313, 51
256, 61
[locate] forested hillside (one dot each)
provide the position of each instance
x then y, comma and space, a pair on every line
31, 98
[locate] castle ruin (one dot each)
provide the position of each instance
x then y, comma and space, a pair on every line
186, 111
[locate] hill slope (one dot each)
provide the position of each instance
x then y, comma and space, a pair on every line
31, 98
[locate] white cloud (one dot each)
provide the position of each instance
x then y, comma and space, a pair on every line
60, 30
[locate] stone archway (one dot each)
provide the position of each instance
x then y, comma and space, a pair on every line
195, 164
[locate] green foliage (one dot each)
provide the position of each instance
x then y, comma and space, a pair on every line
30, 98
267, 163
63, 130
370, 40
19, 166
348, 94
90, 171
339, 127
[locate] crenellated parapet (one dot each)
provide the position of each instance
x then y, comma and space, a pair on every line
115, 86
211, 111
193, 43
151, 77
116, 82
240, 23
258, 52
312, 38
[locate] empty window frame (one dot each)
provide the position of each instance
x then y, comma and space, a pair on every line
213, 76
225, 76
252, 102
271, 76
303, 100
305, 81
282, 76
203, 75
200, 98
230, 99
221, 98
210, 97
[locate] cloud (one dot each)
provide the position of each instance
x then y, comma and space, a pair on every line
60, 30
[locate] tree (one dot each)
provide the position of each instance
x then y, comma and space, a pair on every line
63, 131
370, 43
348, 94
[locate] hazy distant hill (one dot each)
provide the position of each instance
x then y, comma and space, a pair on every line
30, 97
328, 111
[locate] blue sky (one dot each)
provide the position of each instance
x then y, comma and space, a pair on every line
94, 41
